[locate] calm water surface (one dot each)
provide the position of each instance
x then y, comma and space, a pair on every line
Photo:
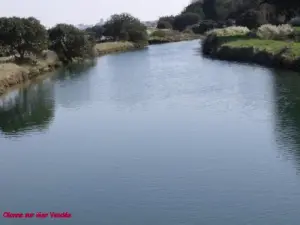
154, 137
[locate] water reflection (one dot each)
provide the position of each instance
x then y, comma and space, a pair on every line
30, 108
75, 77
128, 84
75, 71
287, 113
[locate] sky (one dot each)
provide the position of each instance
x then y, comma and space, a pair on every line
76, 12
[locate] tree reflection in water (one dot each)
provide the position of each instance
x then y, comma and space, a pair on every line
27, 109
287, 113
31, 108
73, 85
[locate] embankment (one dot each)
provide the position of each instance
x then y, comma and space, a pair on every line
114, 47
161, 36
12, 74
162, 40
269, 53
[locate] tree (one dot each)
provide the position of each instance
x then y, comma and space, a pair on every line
195, 6
209, 9
125, 27
70, 42
289, 8
96, 31
203, 26
251, 19
21, 36
164, 25
182, 21
137, 32
169, 19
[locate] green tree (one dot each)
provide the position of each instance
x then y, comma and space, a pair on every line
195, 7
69, 42
289, 8
182, 21
164, 25
125, 27
21, 36
95, 31
136, 32
251, 19
169, 19
209, 9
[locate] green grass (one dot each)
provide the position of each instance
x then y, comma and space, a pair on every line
111, 47
297, 29
270, 46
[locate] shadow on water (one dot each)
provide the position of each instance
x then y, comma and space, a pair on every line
287, 114
73, 85
28, 109
31, 108
74, 71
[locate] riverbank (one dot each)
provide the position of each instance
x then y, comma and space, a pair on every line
162, 40
283, 54
12, 74
161, 36
114, 47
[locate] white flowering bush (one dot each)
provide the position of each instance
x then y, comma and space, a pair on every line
230, 31
295, 22
268, 31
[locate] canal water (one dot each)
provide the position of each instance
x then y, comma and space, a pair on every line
160, 136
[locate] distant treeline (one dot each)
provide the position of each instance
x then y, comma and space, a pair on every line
202, 15
23, 37
27, 36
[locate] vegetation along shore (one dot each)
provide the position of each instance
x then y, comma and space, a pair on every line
264, 32
261, 31
28, 49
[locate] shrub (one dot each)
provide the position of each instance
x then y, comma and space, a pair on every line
137, 36
169, 19
184, 20
280, 32
204, 26
230, 31
188, 31
251, 19
230, 22
164, 25
295, 22
159, 33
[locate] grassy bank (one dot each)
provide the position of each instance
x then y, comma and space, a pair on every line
12, 73
283, 53
160, 36
113, 47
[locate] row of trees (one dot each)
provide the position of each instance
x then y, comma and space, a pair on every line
250, 13
24, 37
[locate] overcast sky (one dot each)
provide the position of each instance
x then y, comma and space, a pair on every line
50, 12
